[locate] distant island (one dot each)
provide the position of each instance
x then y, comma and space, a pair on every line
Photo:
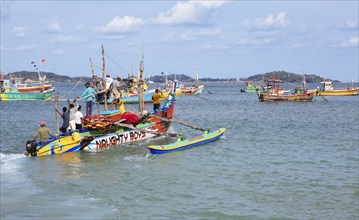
282, 75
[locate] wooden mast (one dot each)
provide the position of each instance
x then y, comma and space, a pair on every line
94, 82
103, 75
55, 105
197, 74
140, 86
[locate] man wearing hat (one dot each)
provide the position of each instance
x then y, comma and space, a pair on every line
90, 93
43, 132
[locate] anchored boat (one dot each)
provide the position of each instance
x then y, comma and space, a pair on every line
328, 90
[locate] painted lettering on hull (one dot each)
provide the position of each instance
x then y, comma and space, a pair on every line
119, 138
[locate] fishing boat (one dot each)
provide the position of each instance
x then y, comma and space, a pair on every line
276, 93
109, 128
15, 89
195, 89
250, 88
183, 143
328, 90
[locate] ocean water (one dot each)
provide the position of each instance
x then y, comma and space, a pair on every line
275, 161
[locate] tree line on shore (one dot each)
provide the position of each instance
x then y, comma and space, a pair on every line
282, 75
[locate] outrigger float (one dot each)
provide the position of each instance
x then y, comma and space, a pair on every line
182, 143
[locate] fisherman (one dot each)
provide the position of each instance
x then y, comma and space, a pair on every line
73, 109
89, 93
66, 119
108, 81
115, 92
156, 99
43, 132
78, 118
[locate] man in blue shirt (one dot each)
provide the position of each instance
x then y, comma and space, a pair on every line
66, 119
90, 93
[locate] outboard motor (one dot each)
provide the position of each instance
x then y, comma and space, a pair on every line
31, 147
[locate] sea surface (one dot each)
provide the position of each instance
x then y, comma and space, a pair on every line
275, 161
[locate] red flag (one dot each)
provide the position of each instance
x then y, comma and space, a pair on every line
43, 60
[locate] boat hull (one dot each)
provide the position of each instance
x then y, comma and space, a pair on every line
98, 140
290, 98
18, 96
185, 144
31, 89
195, 90
352, 92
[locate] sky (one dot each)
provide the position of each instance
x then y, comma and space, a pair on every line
225, 39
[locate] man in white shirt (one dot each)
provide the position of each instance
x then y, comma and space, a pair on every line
78, 118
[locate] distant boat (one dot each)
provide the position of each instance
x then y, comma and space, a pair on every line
250, 88
194, 89
328, 90
15, 89
276, 93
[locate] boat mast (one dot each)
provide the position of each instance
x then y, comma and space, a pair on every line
103, 75
140, 86
197, 74
94, 82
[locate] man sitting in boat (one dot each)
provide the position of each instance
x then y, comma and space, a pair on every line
43, 132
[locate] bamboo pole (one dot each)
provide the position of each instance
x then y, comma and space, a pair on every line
95, 84
103, 75
56, 116
130, 126
178, 122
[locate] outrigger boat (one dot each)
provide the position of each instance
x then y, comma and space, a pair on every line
109, 128
182, 143
195, 89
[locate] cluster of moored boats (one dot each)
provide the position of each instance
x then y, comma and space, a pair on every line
272, 91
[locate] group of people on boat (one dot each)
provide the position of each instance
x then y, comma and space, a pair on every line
72, 115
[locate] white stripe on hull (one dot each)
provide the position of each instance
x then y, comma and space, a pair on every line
111, 140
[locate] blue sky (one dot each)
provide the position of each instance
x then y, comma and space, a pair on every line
224, 38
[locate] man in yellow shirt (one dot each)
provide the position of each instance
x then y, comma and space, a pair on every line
156, 99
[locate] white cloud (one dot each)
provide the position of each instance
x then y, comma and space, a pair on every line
18, 32
191, 12
53, 26
122, 25
340, 43
352, 24
354, 41
68, 39
267, 24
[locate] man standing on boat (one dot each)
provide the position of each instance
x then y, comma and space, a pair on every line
115, 92
66, 119
78, 118
156, 99
43, 132
90, 93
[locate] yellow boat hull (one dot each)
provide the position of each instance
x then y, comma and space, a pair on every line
338, 93
65, 144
